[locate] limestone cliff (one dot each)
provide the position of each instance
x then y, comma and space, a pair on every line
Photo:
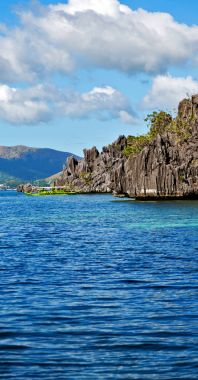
166, 165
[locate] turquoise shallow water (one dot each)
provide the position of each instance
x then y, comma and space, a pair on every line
97, 288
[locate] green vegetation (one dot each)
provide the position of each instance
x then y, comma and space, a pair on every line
158, 123
53, 191
135, 144
180, 128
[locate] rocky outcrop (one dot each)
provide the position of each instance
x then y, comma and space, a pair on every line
26, 188
163, 169
97, 172
166, 168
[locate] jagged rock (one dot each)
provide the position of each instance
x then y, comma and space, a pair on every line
96, 172
195, 99
26, 188
90, 155
164, 168
167, 167
71, 164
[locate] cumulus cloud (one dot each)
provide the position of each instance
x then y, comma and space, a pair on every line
64, 37
167, 91
23, 106
101, 102
42, 103
93, 33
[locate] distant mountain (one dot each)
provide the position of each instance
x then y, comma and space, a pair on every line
29, 164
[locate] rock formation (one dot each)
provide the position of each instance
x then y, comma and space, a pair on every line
166, 167
26, 188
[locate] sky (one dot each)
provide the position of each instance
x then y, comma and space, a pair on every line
79, 73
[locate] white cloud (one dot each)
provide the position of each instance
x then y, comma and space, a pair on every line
93, 33
167, 91
109, 8
41, 104
101, 102
24, 106
80, 34
127, 118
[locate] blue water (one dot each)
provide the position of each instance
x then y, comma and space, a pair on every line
98, 288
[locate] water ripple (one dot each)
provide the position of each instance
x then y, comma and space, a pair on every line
94, 288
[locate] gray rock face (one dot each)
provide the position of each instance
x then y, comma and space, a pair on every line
166, 167
97, 172
26, 188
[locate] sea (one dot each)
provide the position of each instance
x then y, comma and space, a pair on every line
95, 287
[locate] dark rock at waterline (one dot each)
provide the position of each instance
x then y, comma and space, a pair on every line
26, 188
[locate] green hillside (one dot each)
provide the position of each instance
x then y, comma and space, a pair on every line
20, 163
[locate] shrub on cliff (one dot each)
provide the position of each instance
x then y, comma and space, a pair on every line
136, 143
158, 123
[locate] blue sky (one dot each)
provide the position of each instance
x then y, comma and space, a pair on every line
72, 78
